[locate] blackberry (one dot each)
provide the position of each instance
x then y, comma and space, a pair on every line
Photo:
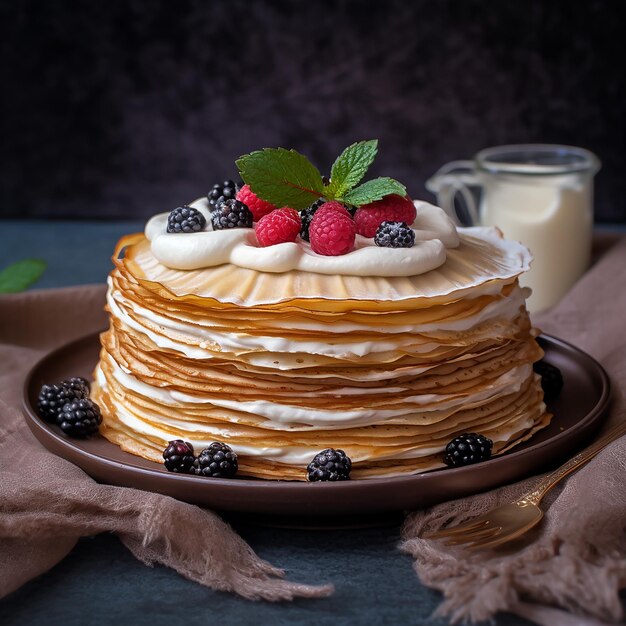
306, 215
216, 461
222, 191
551, 379
394, 235
184, 219
80, 418
231, 214
329, 465
179, 456
78, 383
466, 449
52, 398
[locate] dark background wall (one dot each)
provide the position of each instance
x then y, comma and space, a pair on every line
126, 108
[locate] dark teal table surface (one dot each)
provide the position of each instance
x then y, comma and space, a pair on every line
100, 582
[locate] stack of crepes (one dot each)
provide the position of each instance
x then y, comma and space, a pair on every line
281, 365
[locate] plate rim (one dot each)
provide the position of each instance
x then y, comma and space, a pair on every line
35, 423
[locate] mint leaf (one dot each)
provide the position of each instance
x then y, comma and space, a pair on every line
282, 177
374, 190
21, 275
350, 167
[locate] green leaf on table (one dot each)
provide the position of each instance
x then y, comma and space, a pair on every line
373, 190
350, 167
21, 275
282, 177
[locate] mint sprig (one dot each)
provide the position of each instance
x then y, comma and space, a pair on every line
282, 177
287, 178
21, 275
350, 167
374, 190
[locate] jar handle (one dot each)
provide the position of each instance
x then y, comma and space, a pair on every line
450, 179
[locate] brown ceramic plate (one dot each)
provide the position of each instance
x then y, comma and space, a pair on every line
578, 414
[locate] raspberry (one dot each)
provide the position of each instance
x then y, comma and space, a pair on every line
259, 208
333, 205
390, 209
394, 235
279, 226
332, 231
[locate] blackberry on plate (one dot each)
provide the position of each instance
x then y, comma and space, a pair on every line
329, 465
52, 398
216, 461
231, 214
306, 215
551, 379
466, 449
80, 418
394, 235
185, 219
78, 383
221, 191
179, 456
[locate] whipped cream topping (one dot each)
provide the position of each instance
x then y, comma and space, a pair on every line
434, 232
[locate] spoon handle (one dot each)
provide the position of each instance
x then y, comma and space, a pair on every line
541, 489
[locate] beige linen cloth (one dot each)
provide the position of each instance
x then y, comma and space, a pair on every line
46, 503
576, 560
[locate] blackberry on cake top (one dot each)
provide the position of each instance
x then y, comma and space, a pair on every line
221, 191
394, 235
185, 219
306, 215
231, 214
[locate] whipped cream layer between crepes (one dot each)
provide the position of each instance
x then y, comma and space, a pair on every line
434, 232
196, 338
281, 417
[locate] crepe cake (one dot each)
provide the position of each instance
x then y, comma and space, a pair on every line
281, 352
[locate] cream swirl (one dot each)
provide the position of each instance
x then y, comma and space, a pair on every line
434, 232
